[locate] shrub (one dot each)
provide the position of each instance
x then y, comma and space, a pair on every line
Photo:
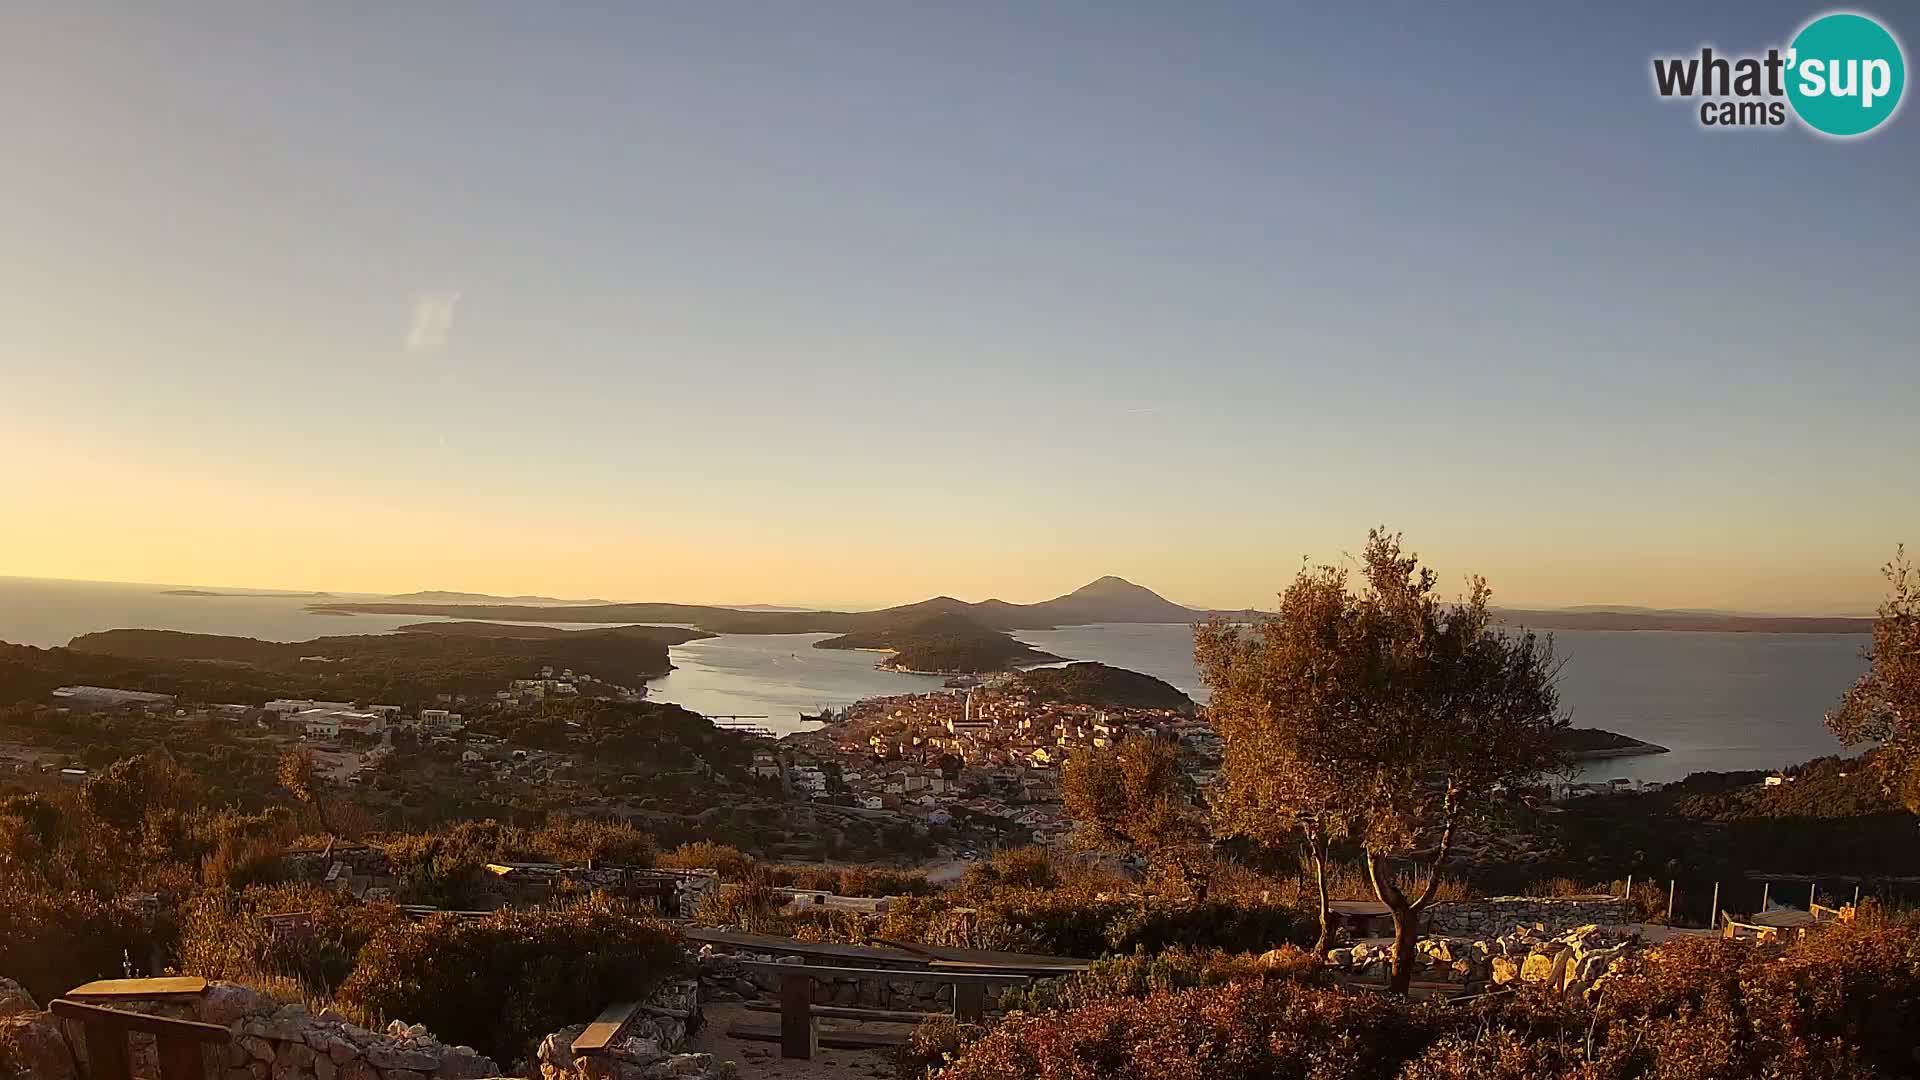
1142, 974
732, 863
934, 1043
501, 982
224, 935
1241, 1031
854, 880
51, 942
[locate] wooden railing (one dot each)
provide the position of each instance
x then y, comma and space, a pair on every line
179, 1042
799, 1037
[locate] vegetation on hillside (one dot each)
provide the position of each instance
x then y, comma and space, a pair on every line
947, 644
1841, 1005
1100, 685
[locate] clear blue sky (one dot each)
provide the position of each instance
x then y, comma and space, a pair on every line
855, 302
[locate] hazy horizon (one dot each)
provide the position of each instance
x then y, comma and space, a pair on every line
367, 595
856, 304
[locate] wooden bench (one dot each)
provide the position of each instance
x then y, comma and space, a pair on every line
606, 1028
179, 1042
798, 1035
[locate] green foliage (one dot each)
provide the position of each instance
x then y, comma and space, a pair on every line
502, 982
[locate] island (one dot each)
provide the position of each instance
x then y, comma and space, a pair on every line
255, 595
947, 644
430, 659
1593, 744
1100, 685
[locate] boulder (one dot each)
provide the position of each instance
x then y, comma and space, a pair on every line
31, 1045
14, 999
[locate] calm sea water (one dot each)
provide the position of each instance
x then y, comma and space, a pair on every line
1719, 701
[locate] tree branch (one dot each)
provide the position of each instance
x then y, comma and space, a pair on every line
1446, 847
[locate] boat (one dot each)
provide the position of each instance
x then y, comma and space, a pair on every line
826, 715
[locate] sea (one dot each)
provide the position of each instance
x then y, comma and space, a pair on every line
1716, 701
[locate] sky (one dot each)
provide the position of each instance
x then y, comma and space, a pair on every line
854, 303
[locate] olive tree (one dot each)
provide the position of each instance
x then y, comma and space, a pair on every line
1884, 706
1377, 713
1132, 798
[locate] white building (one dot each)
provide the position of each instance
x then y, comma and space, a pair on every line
438, 721
294, 705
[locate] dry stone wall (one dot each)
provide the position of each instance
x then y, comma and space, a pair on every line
1500, 914
287, 1042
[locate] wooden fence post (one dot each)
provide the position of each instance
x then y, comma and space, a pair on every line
1766, 890
1715, 920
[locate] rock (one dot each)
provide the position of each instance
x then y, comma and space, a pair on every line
324, 1068
35, 1045
15, 1000
257, 1048
390, 1058
1536, 967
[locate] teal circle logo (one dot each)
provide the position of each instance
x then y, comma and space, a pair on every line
1845, 74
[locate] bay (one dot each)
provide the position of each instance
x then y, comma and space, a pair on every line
1717, 701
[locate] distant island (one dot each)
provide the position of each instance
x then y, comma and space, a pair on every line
435, 596
1593, 744
1105, 600
943, 645
277, 595
1102, 686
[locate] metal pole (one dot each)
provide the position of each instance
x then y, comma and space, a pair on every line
1856, 897
1716, 905
1765, 890
1673, 886
1811, 891
1629, 895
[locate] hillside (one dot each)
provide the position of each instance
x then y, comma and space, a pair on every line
1100, 685
1589, 743
946, 644
395, 667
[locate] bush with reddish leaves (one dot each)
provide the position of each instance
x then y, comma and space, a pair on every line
1842, 1004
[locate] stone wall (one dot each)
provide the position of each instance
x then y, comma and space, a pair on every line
1500, 914
1571, 961
287, 1042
